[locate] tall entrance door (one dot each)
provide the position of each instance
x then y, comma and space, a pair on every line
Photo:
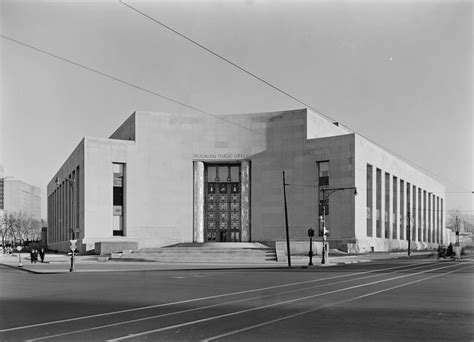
222, 203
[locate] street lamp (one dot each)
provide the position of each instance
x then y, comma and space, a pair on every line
73, 240
325, 193
310, 254
19, 248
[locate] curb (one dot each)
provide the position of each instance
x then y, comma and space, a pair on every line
21, 268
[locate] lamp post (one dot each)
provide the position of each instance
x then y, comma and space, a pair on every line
310, 254
19, 248
325, 193
70, 181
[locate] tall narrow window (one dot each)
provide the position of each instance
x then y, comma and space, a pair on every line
433, 224
420, 233
402, 209
387, 206
429, 239
409, 214
369, 200
441, 224
323, 168
394, 207
425, 235
414, 214
323, 181
118, 201
77, 187
2, 182
378, 204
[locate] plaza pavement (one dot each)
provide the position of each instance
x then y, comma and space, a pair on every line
60, 263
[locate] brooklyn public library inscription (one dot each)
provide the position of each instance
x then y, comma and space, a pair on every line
221, 155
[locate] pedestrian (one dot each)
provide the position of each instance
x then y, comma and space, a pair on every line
32, 255
41, 253
35, 256
449, 252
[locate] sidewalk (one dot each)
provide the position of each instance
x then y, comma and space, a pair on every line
59, 263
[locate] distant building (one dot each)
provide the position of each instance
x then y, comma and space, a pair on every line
21, 197
164, 178
2, 187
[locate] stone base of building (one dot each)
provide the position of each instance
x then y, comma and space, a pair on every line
108, 247
382, 245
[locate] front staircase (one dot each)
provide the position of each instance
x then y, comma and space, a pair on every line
211, 252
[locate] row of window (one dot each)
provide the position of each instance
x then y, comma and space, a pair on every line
118, 201
2, 186
419, 213
63, 209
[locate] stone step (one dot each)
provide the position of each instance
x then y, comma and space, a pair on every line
254, 253
202, 251
189, 258
219, 245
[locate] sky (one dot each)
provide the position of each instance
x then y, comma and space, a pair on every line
398, 72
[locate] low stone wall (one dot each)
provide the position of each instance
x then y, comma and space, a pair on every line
65, 246
109, 247
296, 248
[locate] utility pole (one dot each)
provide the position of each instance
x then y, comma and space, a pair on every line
286, 223
457, 230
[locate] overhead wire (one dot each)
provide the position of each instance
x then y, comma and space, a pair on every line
223, 58
114, 78
259, 78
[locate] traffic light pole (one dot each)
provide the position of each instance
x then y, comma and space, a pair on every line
325, 253
324, 201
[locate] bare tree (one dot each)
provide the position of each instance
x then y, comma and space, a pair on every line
455, 220
19, 227
8, 227
3, 228
27, 228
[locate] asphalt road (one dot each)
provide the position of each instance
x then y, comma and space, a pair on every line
392, 300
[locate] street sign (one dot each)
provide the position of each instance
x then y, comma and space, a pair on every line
73, 242
18, 248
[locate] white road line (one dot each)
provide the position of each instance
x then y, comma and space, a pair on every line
195, 299
325, 306
205, 307
265, 306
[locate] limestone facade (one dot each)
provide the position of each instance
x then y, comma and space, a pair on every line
172, 162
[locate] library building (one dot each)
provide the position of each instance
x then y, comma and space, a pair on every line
162, 179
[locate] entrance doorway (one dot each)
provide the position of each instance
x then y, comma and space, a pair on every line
222, 203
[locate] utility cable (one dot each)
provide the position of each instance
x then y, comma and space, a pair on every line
124, 82
223, 58
273, 86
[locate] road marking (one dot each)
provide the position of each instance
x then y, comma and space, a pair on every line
198, 299
326, 306
264, 306
205, 307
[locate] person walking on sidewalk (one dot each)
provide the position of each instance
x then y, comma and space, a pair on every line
35, 255
41, 253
